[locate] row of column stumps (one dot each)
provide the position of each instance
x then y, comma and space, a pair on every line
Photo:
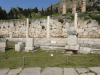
83, 8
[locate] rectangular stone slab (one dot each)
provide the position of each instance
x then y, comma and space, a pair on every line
52, 71
4, 71
70, 71
31, 71
72, 40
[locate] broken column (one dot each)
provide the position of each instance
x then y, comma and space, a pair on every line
29, 41
75, 21
74, 7
83, 9
27, 27
72, 37
48, 26
64, 7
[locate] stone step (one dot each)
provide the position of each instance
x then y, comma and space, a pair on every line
52, 48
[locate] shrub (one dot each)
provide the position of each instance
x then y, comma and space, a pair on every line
29, 22
60, 20
86, 12
43, 27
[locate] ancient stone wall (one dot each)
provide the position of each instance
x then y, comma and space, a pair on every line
38, 28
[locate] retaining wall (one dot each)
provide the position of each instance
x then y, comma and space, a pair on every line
89, 42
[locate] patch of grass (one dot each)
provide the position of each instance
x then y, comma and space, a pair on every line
66, 14
12, 59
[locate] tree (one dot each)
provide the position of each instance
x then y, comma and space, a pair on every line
36, 10
51, 9
25, 12
30, 13
3, 13
42, 11
20, 10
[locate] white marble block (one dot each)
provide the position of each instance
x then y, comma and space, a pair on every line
72, 40
19, 46
85, 50
29, 44
76, 47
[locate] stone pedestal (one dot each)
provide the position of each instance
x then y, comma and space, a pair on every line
19, 46
29, 44
72, 41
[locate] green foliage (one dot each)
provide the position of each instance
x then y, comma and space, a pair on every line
86, 12
29, 22
89, 22
66, 14
81, 16
68, 18
95, 18
11, 59
60, 20
43, 27
51, 9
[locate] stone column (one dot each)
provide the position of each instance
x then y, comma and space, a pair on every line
10, 34
75, 21
74, 8
27, 27
64, 7
48, 28
83, 9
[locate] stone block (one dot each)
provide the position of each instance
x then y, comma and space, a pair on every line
19, 46
88, 29
80, 42
93, 33
94, 28
95, 69
85, 50
3, 44
88, 74
98, 31
89, 25
70, 71
85, 33
80, 30
72, 47
83, 26
72, 40
82, 70
29, 44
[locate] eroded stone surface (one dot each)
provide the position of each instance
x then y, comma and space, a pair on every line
70, 71
4, 71
95, 69
82, 70
52, 71
31, 71
88, 74
14, 71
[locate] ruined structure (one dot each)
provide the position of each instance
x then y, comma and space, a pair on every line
72, 6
